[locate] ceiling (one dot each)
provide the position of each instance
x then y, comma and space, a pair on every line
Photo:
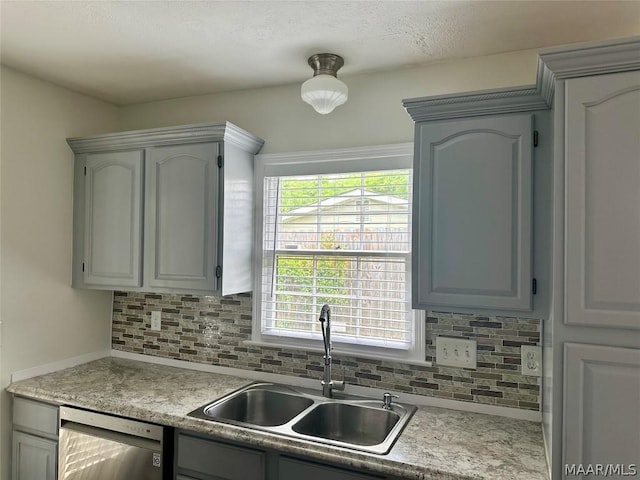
135, 51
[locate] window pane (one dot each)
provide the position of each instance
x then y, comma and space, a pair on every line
343, 240
356, 211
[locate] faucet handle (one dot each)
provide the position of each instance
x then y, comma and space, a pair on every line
339, 384
387, 400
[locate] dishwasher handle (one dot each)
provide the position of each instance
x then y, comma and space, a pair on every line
78, 430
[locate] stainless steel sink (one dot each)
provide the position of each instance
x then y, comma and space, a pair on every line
348, 421
259, 406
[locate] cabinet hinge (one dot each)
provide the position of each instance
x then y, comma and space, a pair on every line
534, 286
535, 138
219, 161
218, 271
83, 266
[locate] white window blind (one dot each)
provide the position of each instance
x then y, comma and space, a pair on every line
341, 239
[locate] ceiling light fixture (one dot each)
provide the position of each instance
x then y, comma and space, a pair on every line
324, 91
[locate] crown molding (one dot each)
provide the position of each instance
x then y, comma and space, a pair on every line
470, 104
545, 83
204, 132
593, 58
557, 63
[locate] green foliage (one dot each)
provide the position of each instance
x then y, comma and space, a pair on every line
295, 275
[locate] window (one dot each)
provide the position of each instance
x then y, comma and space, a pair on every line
336, 231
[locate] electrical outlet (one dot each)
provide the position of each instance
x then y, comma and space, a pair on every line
531, 358
156, 320
456, 352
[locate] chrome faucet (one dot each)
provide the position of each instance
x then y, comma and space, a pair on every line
328, 385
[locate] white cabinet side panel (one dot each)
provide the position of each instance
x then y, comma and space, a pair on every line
238, 208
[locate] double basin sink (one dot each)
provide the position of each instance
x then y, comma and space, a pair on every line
345, 421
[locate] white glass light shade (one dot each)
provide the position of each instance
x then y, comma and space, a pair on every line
324, 93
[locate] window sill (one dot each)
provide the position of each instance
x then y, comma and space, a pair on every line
339, 352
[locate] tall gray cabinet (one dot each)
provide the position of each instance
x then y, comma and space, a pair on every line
165, 210
592, 404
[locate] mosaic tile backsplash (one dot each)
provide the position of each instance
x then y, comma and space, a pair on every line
212, 330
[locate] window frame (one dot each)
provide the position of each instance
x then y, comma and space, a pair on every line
335, 161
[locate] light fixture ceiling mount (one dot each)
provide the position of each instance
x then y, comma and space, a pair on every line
324, 91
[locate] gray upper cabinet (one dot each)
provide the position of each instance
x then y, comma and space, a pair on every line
113, 216
181, 217
472, 213
603, 200
165, 210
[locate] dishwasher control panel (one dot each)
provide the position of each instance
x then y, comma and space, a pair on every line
111, 423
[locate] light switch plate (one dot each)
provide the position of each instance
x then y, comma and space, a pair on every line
531, 359
456, 352
156, 320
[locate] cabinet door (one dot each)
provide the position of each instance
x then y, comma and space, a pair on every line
603, 201
601, 398
181, 217
34, 458
113, 219
219, 460
292, 469
472, 213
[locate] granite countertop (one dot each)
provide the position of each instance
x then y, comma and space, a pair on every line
437, 443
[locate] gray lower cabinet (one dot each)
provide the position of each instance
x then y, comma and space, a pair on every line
34, 458
472, 213
295, 469
217, 461
165, 210
35, 440
201, 458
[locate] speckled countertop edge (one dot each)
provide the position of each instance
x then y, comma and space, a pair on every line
437, 443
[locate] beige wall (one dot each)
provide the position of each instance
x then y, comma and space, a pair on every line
43, 318
373, 115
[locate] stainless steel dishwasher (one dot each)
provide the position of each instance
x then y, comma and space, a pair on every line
94, 446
